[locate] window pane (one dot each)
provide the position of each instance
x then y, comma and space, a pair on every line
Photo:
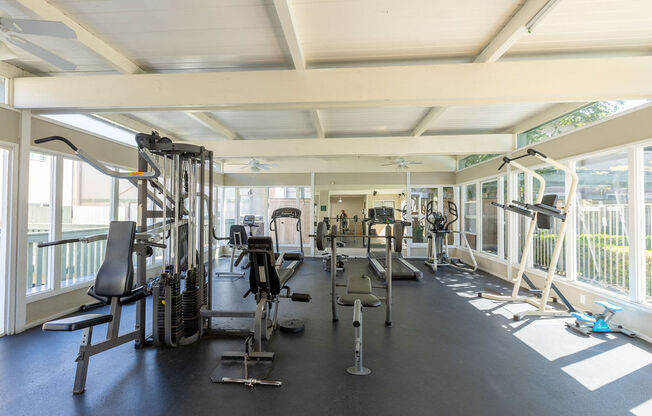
489, 217
252, 202
522, 221
470, 214
229, 208
648, 222
86, 206
38, 220
127, 201
304, 206
474, 160
286, 227
420, 198
579, 118
602, 215
3, 83
544, 240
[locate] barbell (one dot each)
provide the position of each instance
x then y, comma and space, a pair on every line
323, 235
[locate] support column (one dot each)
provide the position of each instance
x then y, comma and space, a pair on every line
21, 227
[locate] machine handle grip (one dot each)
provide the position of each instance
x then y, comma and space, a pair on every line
534, 152
56, 138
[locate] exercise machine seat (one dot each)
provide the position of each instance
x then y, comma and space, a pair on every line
114, 278
77, 322
261, 254
608, 305
359, 287
134, 295
284, 275
116, 274
583, 317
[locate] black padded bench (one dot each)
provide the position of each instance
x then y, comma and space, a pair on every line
114, 286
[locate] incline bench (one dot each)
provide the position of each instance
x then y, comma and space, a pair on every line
113, 285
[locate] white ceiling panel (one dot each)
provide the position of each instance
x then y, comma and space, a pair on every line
340, 30
166, 35
272, 124
370, 121
585, 25
179, 123
487, 117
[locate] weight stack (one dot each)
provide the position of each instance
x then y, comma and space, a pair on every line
170, 284
190, 301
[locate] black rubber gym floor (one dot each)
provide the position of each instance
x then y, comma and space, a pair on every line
442, 356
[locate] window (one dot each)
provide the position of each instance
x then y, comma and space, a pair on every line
578, 118
96, 126
252, 202
647, 168
523, 222
39, 216
490, 217
305, 198
3, 90
286, 228
127, 201
544, 240
470, 214
502, 212
448, 195
86, 207
474, 160
229, 208
5, 175
420, 198
602, 215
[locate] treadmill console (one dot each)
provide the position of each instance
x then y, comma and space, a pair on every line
249, 220
286, 212
381, 215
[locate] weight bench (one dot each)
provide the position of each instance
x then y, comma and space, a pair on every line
113, 285
358, 294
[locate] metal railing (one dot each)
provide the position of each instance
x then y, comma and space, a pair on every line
79, 261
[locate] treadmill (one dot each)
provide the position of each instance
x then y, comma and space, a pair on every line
401, 268
295, 258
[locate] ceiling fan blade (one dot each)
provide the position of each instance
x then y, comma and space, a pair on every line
412, 162
388, 164
39, 27
6, 53
41, 53
263, 167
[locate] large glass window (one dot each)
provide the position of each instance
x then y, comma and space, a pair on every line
490, 217
578, 118
86, 206
95, 125
647, 167
305, 197
286, 228
545, 239
602, 215
420, 199
127, 201
252, 202
39, 215
229, 208
3, 90
470, 217
471, 160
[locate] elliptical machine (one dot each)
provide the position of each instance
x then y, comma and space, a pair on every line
437, 245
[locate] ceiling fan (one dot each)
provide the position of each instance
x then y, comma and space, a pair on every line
402, 163
10, 29
255, 165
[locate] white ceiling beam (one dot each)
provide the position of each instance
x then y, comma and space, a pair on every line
118, 60
513, 30
212, 123
47, 11
367, 146
286, 19
544, 116
501, 42
133, 124
433, 114
569, 80
317, 122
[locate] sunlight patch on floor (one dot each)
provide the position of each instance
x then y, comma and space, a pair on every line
609, 366
551, 339
643, 409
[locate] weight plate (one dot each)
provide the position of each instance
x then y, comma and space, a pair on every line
321, 236
398, 236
